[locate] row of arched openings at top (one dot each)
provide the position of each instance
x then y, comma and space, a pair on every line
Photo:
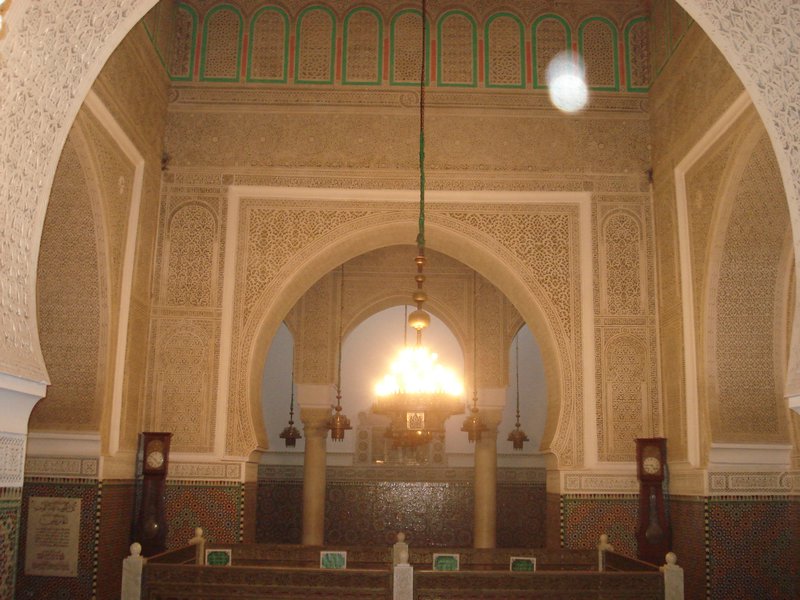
365, 48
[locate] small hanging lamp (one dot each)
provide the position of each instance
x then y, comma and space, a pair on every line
338, 422
517, 435
473, 425
290, 434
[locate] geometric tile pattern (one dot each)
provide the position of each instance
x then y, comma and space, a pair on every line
216, 507
10, 504
114, 534
430, 513
82, 586
688, 542
584, 518
753, 548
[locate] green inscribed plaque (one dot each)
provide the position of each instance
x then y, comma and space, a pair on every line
333, 560
445, 562
218, 558
523, 563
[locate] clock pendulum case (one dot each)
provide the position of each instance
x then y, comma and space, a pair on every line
653, 534
150, 529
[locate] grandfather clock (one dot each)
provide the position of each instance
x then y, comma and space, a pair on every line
653, 535
151, 522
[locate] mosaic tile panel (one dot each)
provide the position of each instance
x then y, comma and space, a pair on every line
10, 506
249, 511
216, 507
58, 588
372, 512
553, 521
688, 542
753, 551
431, 514
114, 535
279, 512
521, 513
584, 518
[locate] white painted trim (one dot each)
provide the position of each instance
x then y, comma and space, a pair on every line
18, 396
226, 326
794, 403
590, 449
314, 395
64, 444
236, 192
711, 137
109, 123
750, 454
490, 397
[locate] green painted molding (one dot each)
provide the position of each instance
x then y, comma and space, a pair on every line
204, 47
447, 15
541, 85
286, 34
486, 44
615, 51
332, 57
193, 14
345, 35
392, 41
628, 61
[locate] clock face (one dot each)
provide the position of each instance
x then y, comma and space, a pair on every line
651, 465
155, 459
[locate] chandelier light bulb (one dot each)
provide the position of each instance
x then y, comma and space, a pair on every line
566, 80
416, 371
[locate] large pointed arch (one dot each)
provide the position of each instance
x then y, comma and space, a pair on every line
395, 228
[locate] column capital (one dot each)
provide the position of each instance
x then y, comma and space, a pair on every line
491, 417
315, 421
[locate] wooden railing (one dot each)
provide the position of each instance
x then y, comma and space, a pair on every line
286, 572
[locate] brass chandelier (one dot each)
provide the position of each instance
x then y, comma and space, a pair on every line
517, 437
290, 434
418, 394
338, 422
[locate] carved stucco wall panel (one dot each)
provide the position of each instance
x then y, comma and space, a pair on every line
183, 376
261, 222
624, 390
368, 139
743, 339
73, 296
627, 401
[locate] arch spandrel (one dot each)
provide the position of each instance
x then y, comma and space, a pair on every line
392, 226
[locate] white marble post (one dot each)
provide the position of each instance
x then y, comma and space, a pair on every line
403, 580
132, 574
199, 543
673, 578
602, 547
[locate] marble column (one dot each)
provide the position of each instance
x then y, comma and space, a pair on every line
315, 432
485, 524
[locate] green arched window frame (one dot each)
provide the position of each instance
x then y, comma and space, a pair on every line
286, 34
628, 59
203, 49
393, 41
345, 34
193, 14
332, 59
439, 26
615, 51
486, 51
542, 85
